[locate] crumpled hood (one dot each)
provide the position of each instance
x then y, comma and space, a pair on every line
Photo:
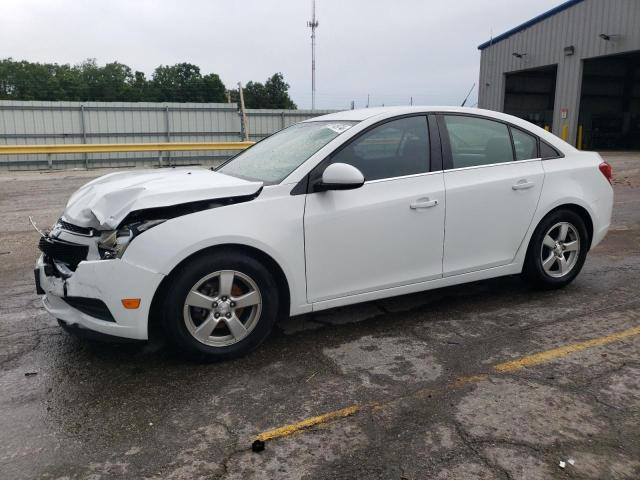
104, 202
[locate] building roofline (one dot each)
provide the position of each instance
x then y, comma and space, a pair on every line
529, 23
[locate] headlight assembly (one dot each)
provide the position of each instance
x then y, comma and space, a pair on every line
114, 243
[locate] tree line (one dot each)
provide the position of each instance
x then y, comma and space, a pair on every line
116, 82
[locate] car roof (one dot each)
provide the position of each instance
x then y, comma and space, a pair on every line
365, 113
390, 112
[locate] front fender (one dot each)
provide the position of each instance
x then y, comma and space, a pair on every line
271, 223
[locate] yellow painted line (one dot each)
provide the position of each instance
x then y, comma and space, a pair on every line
308, 423
121, 147
553, 354
535, 359
462, 381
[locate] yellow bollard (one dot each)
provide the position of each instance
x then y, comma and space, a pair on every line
579, 137
565, 132
546, 127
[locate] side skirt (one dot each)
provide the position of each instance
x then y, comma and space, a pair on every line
511, 269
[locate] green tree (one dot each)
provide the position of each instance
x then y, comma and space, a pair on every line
139, 88
68, 83
27, 81
110, 83
172, 82
255, 95
214, 89
277, 91
88, 81
274, 93
183, 82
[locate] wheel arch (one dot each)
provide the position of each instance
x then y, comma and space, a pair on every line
284, 291
579, 210
574, 207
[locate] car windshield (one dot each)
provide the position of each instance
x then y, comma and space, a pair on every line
274, 158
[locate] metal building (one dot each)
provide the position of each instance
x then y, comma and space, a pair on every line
574, 69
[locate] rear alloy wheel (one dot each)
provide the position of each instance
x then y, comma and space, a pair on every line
220, 305
560, 249
557, 250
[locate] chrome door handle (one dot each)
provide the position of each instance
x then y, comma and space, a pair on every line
423, 203
522, 185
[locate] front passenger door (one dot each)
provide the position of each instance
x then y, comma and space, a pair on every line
388, 232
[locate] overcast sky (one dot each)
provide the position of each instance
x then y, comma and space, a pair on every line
390, 49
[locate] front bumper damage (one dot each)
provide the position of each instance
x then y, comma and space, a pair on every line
88, 293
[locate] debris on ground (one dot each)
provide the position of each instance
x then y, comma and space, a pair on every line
257, 446
563, 464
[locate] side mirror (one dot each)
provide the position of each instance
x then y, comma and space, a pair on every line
340, 176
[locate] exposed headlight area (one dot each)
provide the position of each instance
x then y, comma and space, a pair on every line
66, 245
62, 251
113, 244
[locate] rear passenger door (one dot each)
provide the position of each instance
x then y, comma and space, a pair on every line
493, 180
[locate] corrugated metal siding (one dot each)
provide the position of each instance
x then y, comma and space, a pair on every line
33, 123
544, 45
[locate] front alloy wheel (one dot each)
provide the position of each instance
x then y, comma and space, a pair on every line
220, 305
222, 308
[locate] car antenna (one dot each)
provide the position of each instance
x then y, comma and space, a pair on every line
467, 97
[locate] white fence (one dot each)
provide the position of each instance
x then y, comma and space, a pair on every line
36, 123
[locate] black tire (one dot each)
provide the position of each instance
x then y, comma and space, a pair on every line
533, 270
174, 320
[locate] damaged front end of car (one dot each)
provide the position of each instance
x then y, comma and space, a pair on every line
83, 271
67, 244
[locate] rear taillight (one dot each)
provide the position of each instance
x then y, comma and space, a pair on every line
606, 170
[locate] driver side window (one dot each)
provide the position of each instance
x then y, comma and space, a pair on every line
393, 149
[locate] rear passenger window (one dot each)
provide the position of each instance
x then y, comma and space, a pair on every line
547, 151
476, 141
525, 145
394, 149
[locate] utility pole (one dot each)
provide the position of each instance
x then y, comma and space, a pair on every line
313, 24
243, 115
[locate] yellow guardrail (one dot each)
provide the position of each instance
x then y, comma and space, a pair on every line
121, 147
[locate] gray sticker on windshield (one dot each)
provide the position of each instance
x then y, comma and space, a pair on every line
339, 127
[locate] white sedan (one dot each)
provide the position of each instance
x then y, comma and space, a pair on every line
340, 209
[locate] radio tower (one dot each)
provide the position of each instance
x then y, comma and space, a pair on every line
313, 24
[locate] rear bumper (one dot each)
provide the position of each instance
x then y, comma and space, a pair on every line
109, 281
599, 235
603, 209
